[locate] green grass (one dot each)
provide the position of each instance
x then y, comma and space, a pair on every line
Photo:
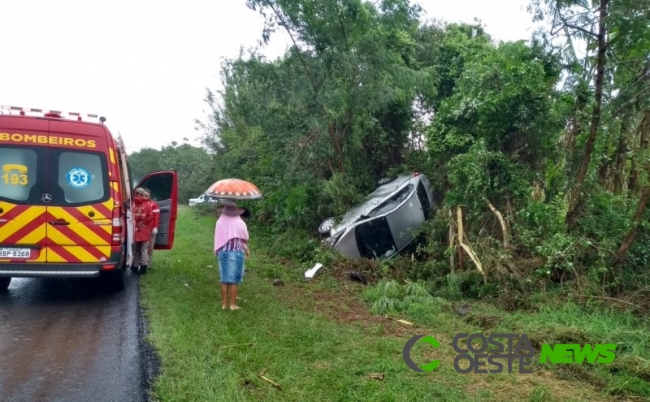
317, 339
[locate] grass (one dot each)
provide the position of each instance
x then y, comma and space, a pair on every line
320, 341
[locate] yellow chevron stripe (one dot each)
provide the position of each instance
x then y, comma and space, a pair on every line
35, 236
7, 206
110, 204
54, 257
79, 228
78, 251
19, 222
112, 155
115, 187
89, 208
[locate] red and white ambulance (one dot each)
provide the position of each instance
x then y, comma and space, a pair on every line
66, 198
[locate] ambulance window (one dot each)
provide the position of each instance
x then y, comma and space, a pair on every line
20, 176
83, 177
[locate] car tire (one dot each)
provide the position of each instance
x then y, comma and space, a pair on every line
4, 283
325, 226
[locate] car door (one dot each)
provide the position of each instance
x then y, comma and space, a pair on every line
163, 186
23, 214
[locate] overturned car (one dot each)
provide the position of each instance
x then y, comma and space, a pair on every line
383, 224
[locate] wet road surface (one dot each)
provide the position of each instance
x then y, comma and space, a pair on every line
70, 340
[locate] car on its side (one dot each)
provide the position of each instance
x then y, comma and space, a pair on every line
383, 224
202, 198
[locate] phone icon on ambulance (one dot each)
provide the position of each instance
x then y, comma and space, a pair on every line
14, 174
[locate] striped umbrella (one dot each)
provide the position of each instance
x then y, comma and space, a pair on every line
234, 189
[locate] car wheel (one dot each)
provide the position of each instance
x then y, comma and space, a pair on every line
326, 226
4, 283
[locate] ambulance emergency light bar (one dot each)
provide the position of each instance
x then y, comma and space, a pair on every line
51, 113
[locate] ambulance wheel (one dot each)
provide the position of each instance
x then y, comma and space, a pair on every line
117, 280
4, 283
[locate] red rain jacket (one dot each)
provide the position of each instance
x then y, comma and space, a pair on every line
143, 216
156, 214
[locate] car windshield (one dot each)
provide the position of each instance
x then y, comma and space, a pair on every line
393, 202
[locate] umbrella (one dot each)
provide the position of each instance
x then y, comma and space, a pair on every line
234, 189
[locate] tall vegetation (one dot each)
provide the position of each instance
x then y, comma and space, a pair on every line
194, 165
537, 149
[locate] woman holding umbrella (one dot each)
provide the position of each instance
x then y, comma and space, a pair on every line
231, 237
231, 247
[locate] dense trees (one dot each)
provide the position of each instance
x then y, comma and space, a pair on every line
541, 147
195, 167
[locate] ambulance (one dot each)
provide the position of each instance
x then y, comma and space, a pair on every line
66, 198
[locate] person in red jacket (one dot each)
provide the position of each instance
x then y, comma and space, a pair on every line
156, 222
144, 219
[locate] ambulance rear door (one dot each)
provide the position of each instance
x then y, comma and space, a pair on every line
23, 196
80, 227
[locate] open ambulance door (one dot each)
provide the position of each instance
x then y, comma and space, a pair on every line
163, 186
128, 205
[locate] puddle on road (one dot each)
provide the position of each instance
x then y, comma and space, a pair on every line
67, 339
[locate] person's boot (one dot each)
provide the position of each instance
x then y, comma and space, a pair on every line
134, 269
142, 270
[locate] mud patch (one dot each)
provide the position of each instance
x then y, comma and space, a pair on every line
345, 306
485, 322
149, 360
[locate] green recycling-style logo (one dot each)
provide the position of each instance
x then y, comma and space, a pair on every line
407, 353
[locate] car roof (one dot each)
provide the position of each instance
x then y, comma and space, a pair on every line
372, 200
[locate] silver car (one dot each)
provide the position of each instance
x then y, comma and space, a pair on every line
382, 225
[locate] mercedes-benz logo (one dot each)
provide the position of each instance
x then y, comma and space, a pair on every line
47, 197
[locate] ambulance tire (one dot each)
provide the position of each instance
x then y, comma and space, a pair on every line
4, 283
117, 280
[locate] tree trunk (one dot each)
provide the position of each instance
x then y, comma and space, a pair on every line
632, 234
619, 162
576, 199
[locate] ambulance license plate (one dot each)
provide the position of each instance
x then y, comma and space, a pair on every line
12, 253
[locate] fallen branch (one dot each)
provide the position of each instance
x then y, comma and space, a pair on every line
474, 258
502, 222
400, 321
275, 384
459, 218
452, 235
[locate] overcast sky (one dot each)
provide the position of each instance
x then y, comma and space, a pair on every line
144, 65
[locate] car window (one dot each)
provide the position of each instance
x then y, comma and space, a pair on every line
80, 176
22, 176
375, 239
381, 191
393, 202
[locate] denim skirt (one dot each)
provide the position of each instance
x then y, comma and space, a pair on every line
231, 266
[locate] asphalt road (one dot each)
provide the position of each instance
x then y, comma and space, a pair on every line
71, 340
